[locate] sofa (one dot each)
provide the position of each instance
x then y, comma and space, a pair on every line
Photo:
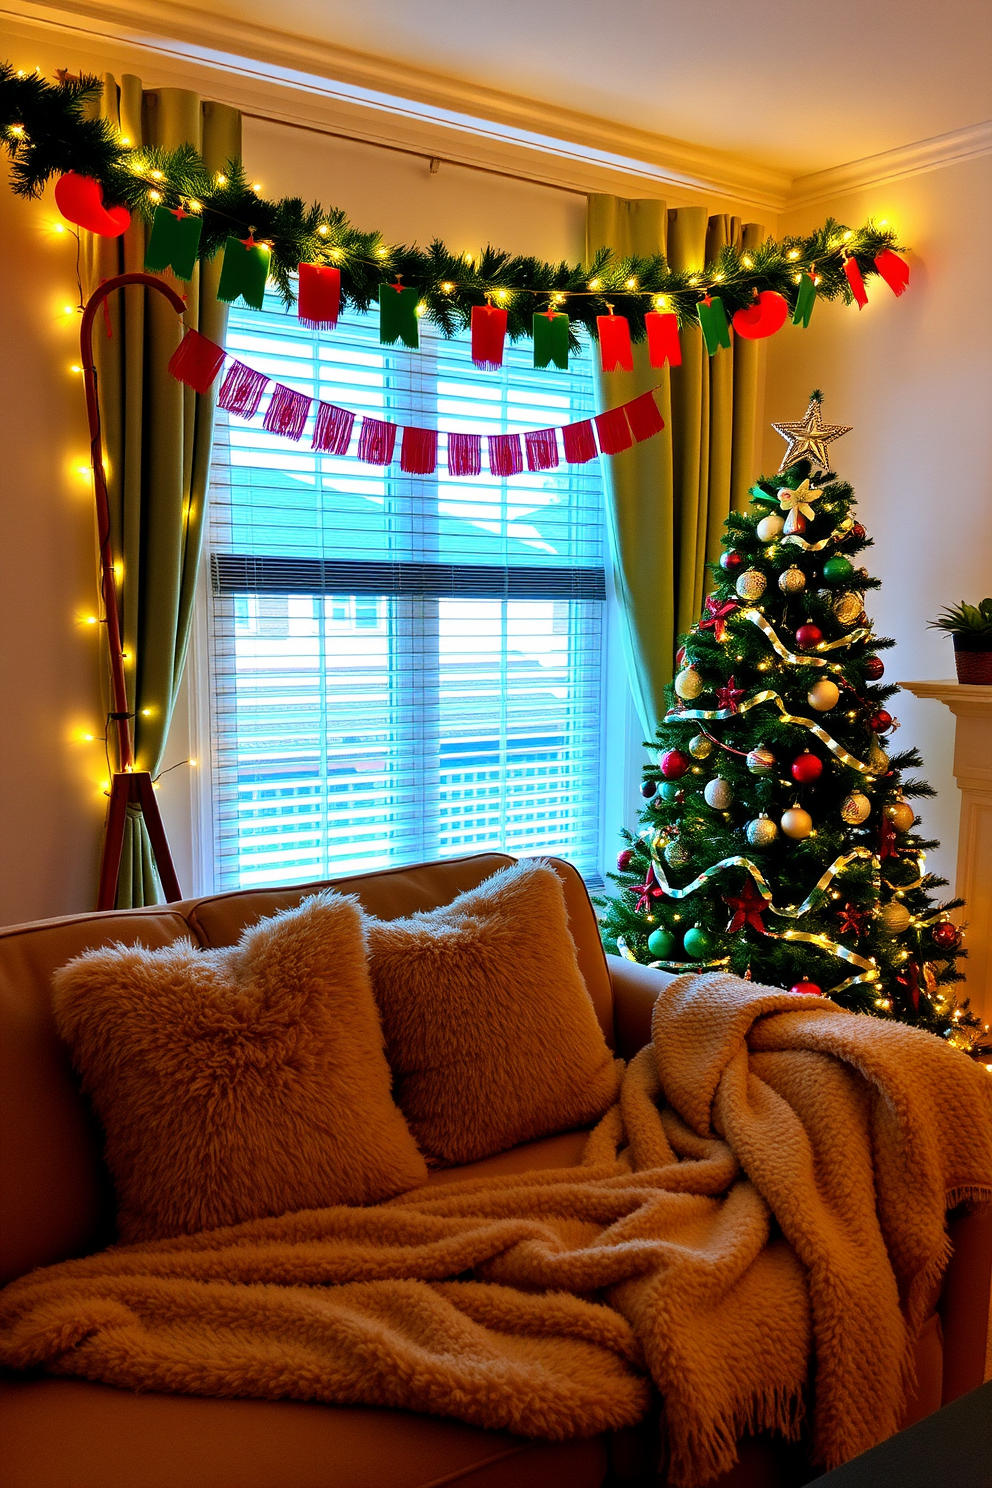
56, 1202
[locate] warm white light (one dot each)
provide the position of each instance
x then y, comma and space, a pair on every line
793, 254
323, 229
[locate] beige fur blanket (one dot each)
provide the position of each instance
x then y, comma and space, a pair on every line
762, 1212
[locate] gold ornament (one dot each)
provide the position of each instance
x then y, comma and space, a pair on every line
877, 758
798, 504
930, 977
894, 918
752, 584
700, 747
855, 808
676, 854
823, 695
770, 527
796, 823
901, 815
793, 581
762, 831
808, 439
688, 684
719, 793
847, 607
761, 762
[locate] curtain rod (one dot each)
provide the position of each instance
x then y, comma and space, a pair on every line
433, 160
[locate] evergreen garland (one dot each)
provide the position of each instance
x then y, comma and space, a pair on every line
44, 128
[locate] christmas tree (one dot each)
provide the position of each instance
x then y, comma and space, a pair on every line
777, 839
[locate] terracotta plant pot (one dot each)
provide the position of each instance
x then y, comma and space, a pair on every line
973, 665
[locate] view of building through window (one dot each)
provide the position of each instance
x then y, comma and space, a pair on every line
402, 667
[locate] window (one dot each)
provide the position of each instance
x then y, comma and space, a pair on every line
402, 667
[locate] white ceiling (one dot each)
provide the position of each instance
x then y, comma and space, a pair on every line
801, 85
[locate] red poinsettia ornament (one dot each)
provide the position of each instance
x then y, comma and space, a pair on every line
766, 316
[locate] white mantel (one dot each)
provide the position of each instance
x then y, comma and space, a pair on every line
972, 709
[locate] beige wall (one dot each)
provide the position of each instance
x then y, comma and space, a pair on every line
914, 378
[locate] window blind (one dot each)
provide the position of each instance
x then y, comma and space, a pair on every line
402, 667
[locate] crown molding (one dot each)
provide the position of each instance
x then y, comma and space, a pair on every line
907, 160
411, 98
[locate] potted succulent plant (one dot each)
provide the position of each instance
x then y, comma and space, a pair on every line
970, 627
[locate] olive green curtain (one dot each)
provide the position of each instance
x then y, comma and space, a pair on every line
667, 499
157, 436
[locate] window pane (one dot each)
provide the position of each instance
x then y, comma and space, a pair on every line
435, 711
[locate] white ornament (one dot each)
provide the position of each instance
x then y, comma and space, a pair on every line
761, 762
769, 527
688, 684
823, 695
762, 831
855, 808
796, 823
719, 793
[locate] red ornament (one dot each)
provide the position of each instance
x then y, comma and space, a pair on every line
806, 768
675, 764
808, 636
851, 919
729, 696
747, 906
874, 668
946, 935
717, 615
910, 980
881, 721
648, 890
680, 657
731, 562
624, 859
763, 318
80, 200
858, 532
808, 989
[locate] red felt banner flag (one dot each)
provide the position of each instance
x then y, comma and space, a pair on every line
663, 338
242, 389
615, 350
332, 429
579, 442
506, 456
614, 431
376, 441
488, 336
287, 412
542, 449
856, 282
894, 270
318, 300
418, 451
644, 417
196, 361
464, 454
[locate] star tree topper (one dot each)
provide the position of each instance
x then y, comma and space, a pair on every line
808, 439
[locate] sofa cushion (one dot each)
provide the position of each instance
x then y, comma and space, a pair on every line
73, 1434
238, 1083
55, 1198
490, 1032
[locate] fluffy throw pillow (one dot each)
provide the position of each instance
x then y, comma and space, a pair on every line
238, 1083
492, 1037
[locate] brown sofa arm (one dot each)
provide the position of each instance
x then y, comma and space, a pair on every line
635, 989
964, 1299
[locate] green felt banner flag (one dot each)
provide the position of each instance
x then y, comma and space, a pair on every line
174, 242
398, 315
713, 322
551, 340
244, 271
805, 301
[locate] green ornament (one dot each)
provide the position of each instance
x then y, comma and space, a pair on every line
661, 944
837, 569
550, 332
698, 944
398, 315
805, 301
173, 244
713, 324
670, 790
244, 272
